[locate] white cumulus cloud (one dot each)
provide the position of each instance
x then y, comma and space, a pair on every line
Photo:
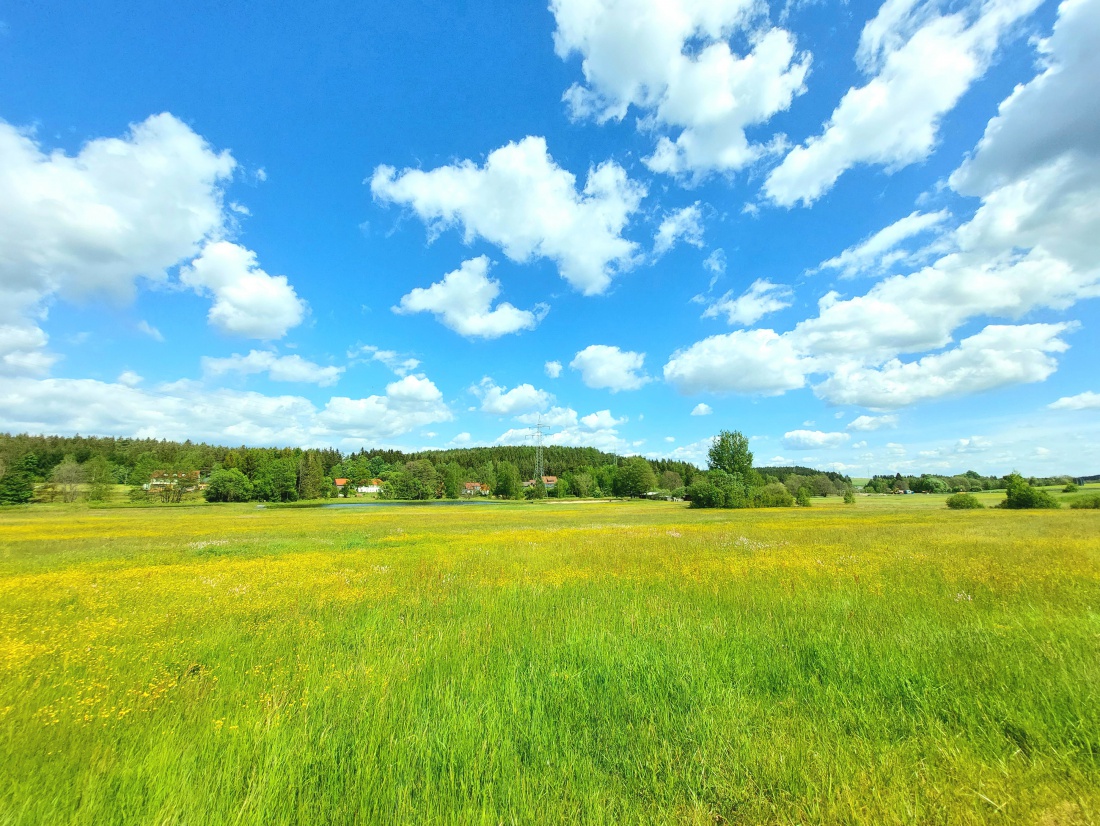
997, 356
604, 367
530, 207
119, 211
746, 361
675, 61
183, 411
601, 420
813, 440
865, 423
701, 409
247, 301
553, 369
292, 368
523, 398
463, 302
921, 62
1082, 401
401, 365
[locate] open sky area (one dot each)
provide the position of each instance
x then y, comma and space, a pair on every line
863, 235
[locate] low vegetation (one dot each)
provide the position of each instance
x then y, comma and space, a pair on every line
964, 501
628, 662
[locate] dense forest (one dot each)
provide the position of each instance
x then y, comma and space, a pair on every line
53, 467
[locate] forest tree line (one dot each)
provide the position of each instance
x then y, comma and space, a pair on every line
64, 468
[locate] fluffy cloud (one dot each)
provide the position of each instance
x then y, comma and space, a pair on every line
602, 366
185, 411
409, 403
922, 63
554, 417
401, 365
523, 398
247, 301
120, 210
1037, 167
1082, 401
760, 299
74, 226
601, 420
553, 369
880, 251
526, 204
812, 439
701, 409
463, 302
745, 361
278, 368
22, 350
682, 225
865, 423
129, 378
674, 62
997, 356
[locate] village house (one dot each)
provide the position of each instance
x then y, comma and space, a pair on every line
159, 479
375, 486
548, 481
475, 489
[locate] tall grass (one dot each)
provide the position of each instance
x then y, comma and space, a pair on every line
627, 663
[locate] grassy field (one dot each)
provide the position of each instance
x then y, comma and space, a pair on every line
886, 662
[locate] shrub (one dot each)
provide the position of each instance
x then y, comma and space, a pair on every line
775, 495
963, 501
849, 497
1087, 503
1070, 488
803, 498
705, 495
1020, 495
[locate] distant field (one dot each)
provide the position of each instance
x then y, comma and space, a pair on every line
885, 662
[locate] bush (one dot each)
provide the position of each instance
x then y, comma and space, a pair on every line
705, 495
1019, 495
849, 497
963, 501
775, 495
1070, 488
803, 498
1087, 503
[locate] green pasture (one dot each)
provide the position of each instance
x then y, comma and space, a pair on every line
885, 662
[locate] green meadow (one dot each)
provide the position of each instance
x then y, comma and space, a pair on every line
607, 662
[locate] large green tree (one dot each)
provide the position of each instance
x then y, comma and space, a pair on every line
634, 477
311, 476
17, 483
730, 452
506, 483
228, 485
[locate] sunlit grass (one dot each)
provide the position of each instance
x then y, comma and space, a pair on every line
877, 663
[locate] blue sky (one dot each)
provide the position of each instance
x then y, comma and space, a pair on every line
863, 235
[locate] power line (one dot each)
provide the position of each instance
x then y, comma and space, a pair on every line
537, 430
